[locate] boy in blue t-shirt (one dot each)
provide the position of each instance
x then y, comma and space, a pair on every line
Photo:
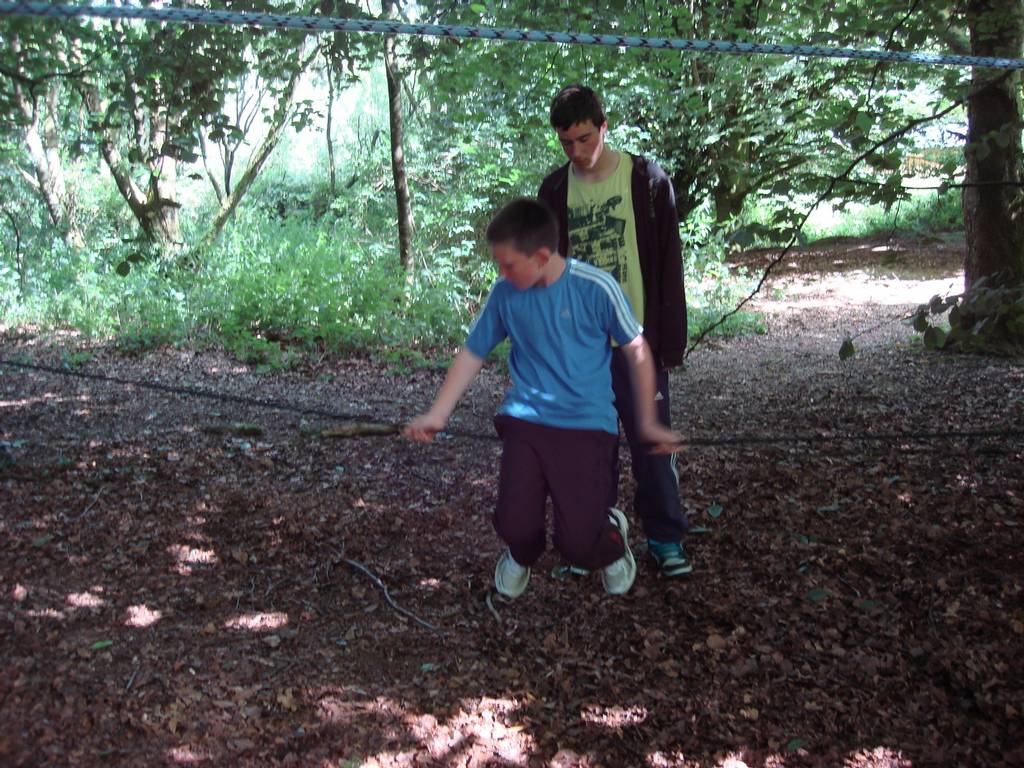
558, 423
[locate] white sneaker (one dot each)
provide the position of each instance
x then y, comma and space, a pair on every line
618, 577
510, 578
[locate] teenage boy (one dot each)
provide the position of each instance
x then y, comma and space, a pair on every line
557, 423
617, 211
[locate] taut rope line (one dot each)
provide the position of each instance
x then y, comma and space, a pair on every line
392, 428
331, 24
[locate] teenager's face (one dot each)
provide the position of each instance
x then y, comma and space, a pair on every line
522, 270
583, 143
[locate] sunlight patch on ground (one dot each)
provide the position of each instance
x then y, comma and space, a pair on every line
189, 556
46, 613
49, 397
142, 616
187, 755
614, 717
859, 287
257, 622
85, 600
879, 757
479, 722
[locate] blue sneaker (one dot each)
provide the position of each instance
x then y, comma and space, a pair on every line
670, 557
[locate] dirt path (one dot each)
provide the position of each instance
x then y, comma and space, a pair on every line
177, 590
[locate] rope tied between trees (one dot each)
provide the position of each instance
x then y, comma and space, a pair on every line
362, 426
332, 24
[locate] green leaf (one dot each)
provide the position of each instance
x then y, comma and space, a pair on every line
42, 541
794, 744
829, 509
934, 338
921, 322
743, 237
478, 8
847, 350
935, 305
715, 510
816, 595
99, 645
864, 121
123, 269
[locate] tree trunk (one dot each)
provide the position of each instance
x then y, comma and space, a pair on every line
992, 200
19, 257
331, 167
43, 142
402, 198
259, 156
730, 194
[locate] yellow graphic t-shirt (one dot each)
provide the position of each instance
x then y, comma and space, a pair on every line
602, 229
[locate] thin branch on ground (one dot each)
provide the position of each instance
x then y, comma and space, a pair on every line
387, 595
88, 509
131, 680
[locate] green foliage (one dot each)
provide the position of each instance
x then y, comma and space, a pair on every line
847, 349
987, 319
923, 213
302, 289
750, 143
713, 287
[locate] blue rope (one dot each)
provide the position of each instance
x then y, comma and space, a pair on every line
328, 24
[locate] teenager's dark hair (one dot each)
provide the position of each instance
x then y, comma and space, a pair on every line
575, 104
527, 223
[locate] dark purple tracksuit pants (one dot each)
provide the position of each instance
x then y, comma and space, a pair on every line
572, 466
656, 502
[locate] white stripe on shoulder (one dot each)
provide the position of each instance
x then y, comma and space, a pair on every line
483, 307
611, 287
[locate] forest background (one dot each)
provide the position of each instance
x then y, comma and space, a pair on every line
198, 568
283, 194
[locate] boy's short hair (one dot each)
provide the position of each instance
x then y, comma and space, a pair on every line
527, 223
576, 104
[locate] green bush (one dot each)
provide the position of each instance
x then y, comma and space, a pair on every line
985, 319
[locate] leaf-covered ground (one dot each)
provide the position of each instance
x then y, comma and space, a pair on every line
196, 581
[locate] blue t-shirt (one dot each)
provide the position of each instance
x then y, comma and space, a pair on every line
561, 351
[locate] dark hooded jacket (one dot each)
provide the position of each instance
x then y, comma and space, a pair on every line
661, 262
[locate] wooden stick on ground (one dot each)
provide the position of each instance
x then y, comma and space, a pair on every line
360, 429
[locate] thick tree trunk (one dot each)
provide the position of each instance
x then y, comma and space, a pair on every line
730, 193
42, 140
402, 198
993, 200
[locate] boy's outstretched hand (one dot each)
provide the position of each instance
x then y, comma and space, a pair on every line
423, 428
660, 439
